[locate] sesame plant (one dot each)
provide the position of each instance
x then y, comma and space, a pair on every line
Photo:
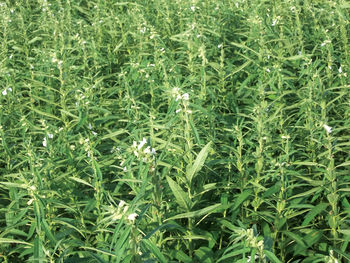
174, 131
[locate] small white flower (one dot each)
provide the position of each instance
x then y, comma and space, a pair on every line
94, 133
178, 110
44, 142
325, 43
125, 169
236, 4
220, 46
249, 258
132, 216
121, 203
136, 153
4, 92
142, 143
274, 22
330, 67
327, 128
186, 96
268, 70
90, 126
30, 201
147, 150
178, 97
50, 135
153, 151
340, 70
193, 8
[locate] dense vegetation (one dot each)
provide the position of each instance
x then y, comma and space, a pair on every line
174, 131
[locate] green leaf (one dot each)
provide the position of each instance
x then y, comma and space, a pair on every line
272, 190
296, 238
155, 250
113, 134
314, 212
200, 212
199, 162
38, 251
234, 253
13, 241
204, 255
80, 181
48, 231
181, 197
241, 198
272, 256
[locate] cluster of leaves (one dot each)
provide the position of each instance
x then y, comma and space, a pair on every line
174, 131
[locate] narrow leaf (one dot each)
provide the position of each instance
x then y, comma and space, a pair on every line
197, 213
181, 198
199, 162
314, 212
155, 250
272, 256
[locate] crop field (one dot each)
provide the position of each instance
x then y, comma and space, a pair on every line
174, 131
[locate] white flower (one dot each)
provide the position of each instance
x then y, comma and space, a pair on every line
325, 42
147, 150
249, 258
90, 126
178, 110
142, 143
50, 135
327, 128
274, 22
153, 151
268, 70
186, 96
193, 8
125, 169
220, 46
30, 201
4, 92
340, 70
121, 203
132, 216
44, 142
136, 153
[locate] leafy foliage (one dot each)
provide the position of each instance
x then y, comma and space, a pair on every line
174, 131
